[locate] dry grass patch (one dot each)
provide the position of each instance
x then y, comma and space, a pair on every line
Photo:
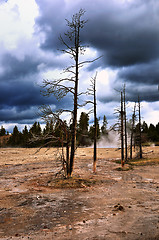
63, 183
137, 162
143, 162
125, 168
72, 182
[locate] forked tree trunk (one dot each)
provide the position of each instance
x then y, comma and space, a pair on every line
126, 149
67, 154
132, 131
74, 125
92, 91
140, 143
122, 132
95, 130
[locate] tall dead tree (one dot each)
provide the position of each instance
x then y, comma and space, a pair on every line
95, 128
140, 140
60, 88
75, 27
125, 127
122, 130
69, 84
92, 91
132, 129
119, 126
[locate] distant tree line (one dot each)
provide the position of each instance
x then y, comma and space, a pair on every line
85, 133
149, 133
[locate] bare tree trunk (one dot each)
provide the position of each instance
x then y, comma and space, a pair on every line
122, 135
92, 91
60, 87
63, 157
140, 143
132, 131
126, 149
67, 154
74, 126
95, 129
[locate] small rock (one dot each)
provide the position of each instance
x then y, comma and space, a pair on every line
1, 209
17, 235
119, 207
84, 221
70, 228
44, 226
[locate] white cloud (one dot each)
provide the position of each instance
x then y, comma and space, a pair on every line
17, 18
149, 112
105, 82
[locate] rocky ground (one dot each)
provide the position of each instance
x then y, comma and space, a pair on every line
35, 203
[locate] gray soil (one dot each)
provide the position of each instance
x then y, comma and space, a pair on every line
107, 205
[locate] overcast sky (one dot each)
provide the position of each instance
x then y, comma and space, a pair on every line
124, 32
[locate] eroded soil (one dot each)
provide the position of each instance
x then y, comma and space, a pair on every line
108, 205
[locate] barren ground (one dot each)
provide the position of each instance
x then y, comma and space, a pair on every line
37, 204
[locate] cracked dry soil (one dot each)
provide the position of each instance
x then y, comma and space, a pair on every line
107, 205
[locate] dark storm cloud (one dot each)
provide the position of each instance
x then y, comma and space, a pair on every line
12, 114
125, 34
18, 90
17, 100
20, 100
52, 22
14, 68
147, 96
20, 95
141, 79
143, 73
148, 93
125, 43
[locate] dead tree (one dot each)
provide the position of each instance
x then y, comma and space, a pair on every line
122, 130
69, 84
50, 137
92, 91
140, 140
60, 87
132, 130
125, 127
119, 126
75, 25
95, 128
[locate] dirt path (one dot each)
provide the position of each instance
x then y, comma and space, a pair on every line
109, 205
